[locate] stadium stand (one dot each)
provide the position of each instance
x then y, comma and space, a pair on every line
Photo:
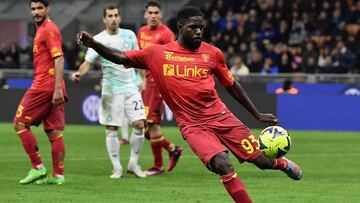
269, 37
297, 36
17, 28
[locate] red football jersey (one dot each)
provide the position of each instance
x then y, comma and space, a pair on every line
148, 37
186, 79
47, 46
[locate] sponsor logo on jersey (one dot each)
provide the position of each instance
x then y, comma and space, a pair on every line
172, 70
169, 56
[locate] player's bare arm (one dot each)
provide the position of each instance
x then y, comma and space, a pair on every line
83, 69
142, 85
108, 53
240, 95
58, 96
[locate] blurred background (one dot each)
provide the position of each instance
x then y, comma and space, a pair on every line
313, 44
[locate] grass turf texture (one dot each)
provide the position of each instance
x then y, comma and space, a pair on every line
330, 161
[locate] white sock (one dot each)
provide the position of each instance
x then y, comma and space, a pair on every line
40, 166
125, 132
136, 141
113, 147
58, 176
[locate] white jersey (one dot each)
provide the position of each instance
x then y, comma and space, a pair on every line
116, 78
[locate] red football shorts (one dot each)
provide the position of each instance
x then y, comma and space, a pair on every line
153, 102
36, 107
227, 132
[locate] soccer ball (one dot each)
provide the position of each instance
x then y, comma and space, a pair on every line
274, 142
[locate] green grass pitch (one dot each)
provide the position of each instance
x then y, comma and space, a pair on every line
330, 161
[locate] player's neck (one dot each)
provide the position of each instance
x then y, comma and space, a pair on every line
42, 22
153, 27
112, 32
186, 45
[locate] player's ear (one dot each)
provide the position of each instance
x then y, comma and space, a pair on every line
47, 9
179, 26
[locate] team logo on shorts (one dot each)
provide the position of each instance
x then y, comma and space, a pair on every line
109, 118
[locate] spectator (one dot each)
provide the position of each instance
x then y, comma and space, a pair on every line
238, 68
285, 63
325, 61
284, 32
310, 65
297, 59
255, 58
269, 67
344, 59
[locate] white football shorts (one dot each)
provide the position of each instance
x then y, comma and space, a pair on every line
115, 110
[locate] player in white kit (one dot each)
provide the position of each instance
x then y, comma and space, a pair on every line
120, 96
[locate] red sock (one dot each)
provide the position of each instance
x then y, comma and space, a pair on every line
30, 145
156, 146
235, 188
280, 164
166, 144
58, 153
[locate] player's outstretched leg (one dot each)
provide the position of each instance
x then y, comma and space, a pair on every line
29, 143
221, 165
287, 166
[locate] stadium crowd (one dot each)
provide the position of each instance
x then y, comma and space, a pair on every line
271, 36
261, 36
13, 56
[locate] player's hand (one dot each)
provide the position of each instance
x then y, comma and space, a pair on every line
84, 38
76, 76
268, 118
142, 86
58, 97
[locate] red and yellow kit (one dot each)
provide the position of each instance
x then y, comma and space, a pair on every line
186, 82
47, 46
36, 105
151, 96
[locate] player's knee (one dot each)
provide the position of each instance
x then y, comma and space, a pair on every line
51, 133
112, 128
263, 162
154, 130
221, 164
139, 124
18, 127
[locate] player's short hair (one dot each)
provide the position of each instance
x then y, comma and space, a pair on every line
287, 84
152, 3
185, 13
109, 8
45, 2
